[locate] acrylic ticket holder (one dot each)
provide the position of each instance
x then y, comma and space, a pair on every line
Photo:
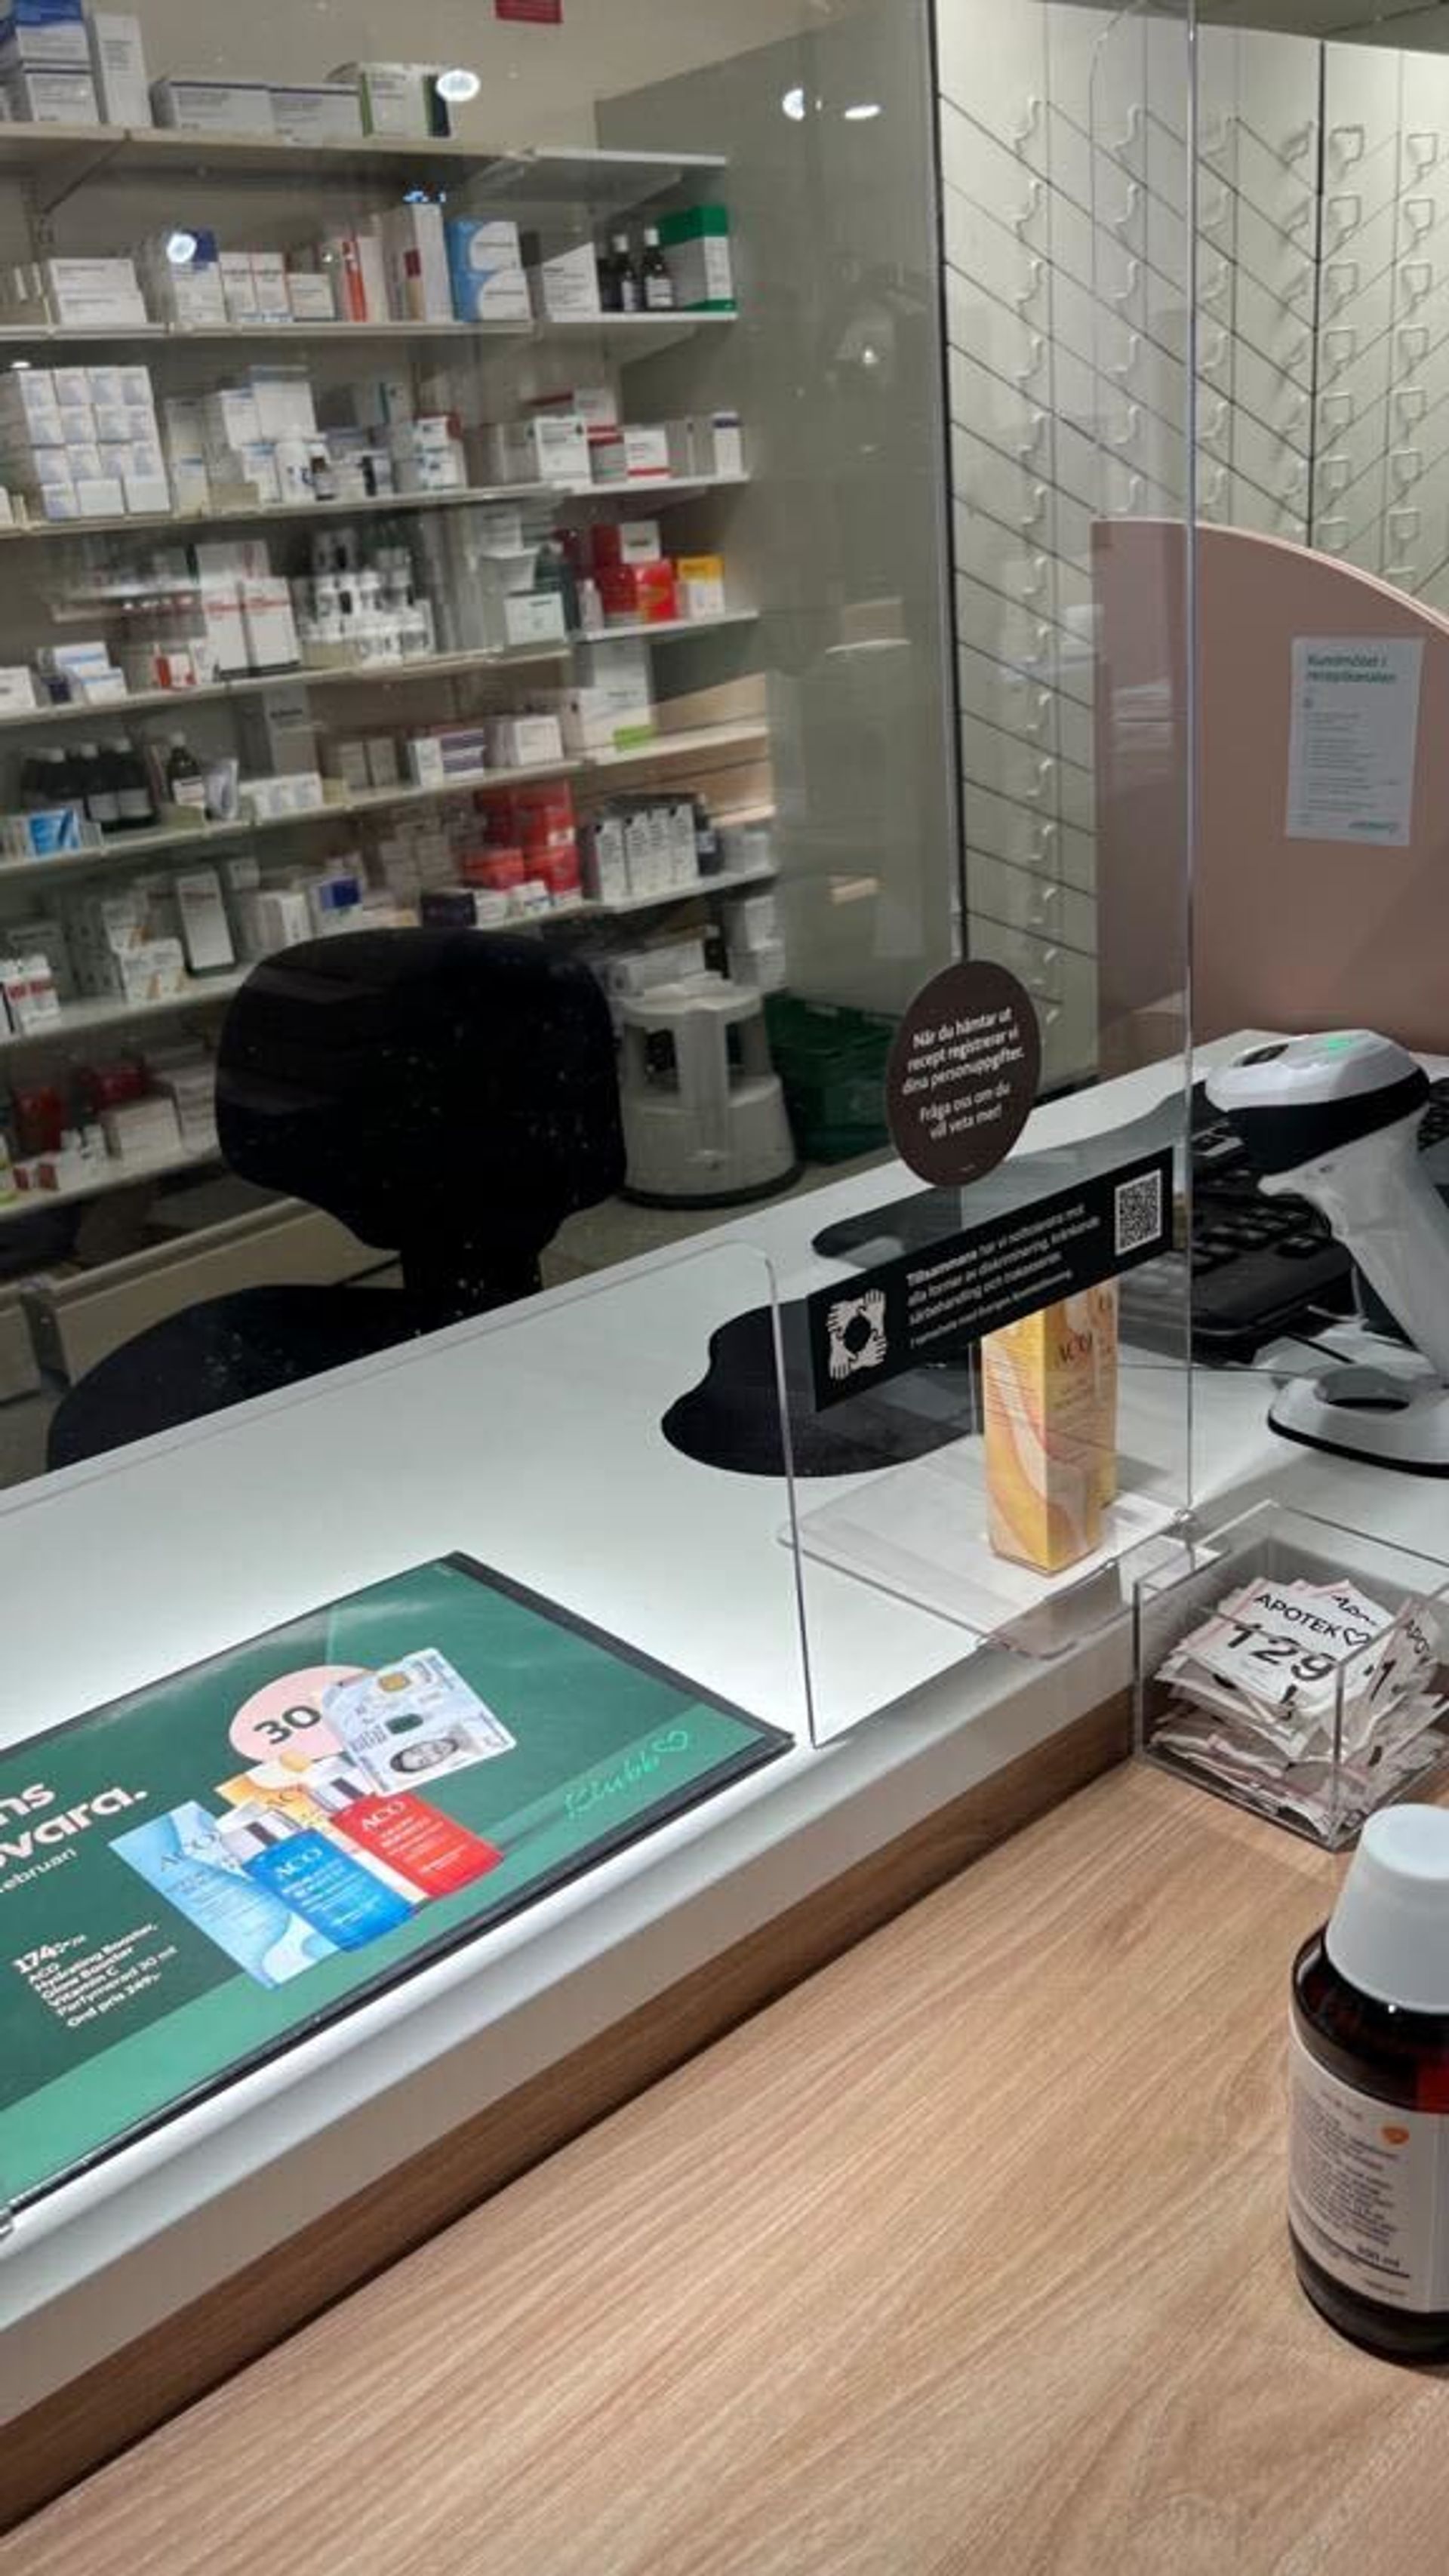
958, 1487
441, 1643
1295, 1667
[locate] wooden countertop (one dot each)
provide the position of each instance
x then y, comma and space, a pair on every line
968, 2255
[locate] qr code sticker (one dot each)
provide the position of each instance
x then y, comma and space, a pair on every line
1139, 1212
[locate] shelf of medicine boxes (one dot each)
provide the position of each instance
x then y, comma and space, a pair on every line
87, 1019
638, 334
62, 158
268, 514
698, 742
376, 675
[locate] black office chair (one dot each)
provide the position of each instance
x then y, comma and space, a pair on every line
451, 1099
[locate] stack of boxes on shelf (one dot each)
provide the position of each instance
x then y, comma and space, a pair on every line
86, 442
58, 68
637, 848
69, 1131
392, 102
576, 436
82, 442
686, 266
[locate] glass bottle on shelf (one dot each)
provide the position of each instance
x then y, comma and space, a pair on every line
42, 781
133, 787
102, 795
610, 291
185, 778
631, 291
654, 277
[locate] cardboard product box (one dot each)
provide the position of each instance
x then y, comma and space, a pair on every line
319, 112
597, 406
93, 293
523, 742
563, 283
605, 864
239, 286
271, 633
118, 65
763, 969
594, 720
269, 284
700, 584
190, 294
631, 455
638, 594
311, 295
485, 269
100, 497
433, 472
625, 541
533, 617
392, 97
550, 448
415, 248
696, 246
63, 97
51, 42
708, 446
205, 930
214, 106
17, 691
284, 403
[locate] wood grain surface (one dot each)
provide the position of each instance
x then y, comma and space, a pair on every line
49, 2448
968, 2255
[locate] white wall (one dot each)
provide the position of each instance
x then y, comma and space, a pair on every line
539, 83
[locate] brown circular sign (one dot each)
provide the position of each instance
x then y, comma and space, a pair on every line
963, 1074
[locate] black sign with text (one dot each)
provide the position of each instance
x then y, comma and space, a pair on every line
924, 1305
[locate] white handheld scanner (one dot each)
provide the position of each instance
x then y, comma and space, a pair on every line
1335, 1120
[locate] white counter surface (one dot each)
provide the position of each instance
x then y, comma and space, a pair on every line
532, 1441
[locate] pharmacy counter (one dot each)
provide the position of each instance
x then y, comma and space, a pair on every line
531, 1441
968, 2254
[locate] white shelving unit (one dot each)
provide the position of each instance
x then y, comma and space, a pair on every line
54, 166
80, 1020
640, 334
389, 504
698, 742
375, 675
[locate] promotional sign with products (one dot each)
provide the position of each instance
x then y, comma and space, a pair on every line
200, 1873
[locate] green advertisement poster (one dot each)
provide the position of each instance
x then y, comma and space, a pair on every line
200, 1874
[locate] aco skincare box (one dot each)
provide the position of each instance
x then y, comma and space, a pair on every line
1049, 1391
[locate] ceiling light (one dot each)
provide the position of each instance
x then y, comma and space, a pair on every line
793, 104
181, 249
863, 112
458, 87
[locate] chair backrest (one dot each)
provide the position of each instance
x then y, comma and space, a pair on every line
449, 1097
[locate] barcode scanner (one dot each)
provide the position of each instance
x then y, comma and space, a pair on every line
1335, 1120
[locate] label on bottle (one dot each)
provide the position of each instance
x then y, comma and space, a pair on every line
658, 294
1368, 2187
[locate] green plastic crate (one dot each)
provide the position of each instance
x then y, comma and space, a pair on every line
832, 1061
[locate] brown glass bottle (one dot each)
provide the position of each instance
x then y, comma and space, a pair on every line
1387, 2055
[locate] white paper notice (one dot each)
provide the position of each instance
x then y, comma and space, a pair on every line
1355, 733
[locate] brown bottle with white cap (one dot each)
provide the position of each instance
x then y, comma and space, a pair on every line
1368, 2184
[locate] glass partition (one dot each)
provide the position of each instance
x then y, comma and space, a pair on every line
1321, 1242
668, 552
499, 494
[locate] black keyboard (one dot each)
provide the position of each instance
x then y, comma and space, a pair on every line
1260, 1267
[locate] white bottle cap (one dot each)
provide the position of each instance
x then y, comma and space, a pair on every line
1389, 1932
